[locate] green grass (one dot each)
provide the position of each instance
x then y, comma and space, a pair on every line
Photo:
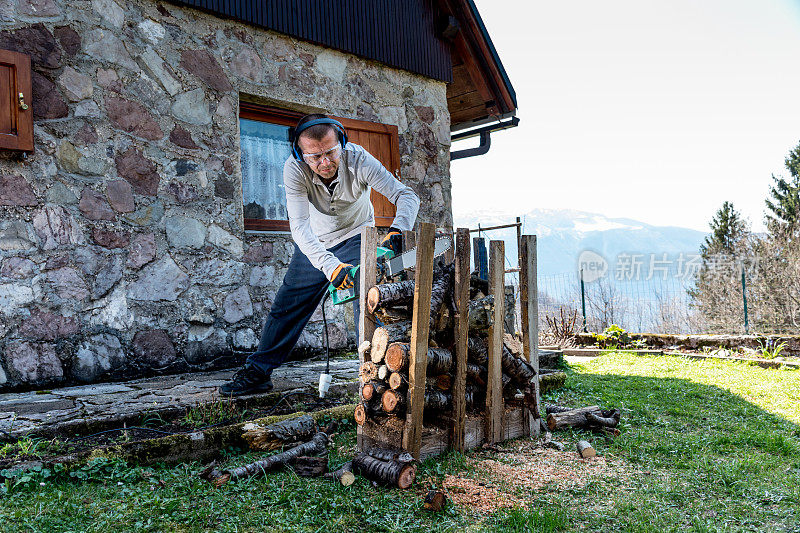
706, 446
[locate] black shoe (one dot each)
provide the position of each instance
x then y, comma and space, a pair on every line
247, 380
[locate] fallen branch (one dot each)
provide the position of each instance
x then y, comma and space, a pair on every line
392, 473
343, 475
274, 436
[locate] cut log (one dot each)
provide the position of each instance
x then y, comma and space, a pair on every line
387, 334
477, 285
343, 475
398, 354
397, 381
392, 315
444, 382
390, 295
363, 348
390, 455
368, 371
475, 397
521, 372
604, 421
310, 466
574, 418
391, 473
373, 389
393, 402
383, 372
552, 408
548, 442
585, 449
316, 446
274, 436
366, 410
435, 500
513, 344
437, 402
551, 381
480, 313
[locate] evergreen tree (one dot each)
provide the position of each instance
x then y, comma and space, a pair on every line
784, 205
728, 230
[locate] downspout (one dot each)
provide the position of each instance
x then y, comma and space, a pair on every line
482, 148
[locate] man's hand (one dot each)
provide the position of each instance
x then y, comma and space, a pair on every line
341, 277
393, 241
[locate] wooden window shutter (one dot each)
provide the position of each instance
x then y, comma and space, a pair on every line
16, 112
383, 142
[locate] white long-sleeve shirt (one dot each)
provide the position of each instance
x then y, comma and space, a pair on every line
319, 220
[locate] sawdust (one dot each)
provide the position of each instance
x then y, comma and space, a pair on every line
493, 480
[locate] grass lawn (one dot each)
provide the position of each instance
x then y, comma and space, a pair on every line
705, 446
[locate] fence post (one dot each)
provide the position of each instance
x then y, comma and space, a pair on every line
744, 300
583, 304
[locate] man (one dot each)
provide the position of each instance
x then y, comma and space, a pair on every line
327, 183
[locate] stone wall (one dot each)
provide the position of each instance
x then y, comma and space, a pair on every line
122, 249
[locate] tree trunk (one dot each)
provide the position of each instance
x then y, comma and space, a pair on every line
316, 446
274, 436
390, 295
391, 473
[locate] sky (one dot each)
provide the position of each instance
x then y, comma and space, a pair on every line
657, 111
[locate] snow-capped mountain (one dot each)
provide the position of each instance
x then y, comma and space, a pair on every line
562, 234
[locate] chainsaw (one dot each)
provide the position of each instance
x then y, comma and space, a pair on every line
389, 266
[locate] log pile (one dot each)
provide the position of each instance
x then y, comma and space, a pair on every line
384, 372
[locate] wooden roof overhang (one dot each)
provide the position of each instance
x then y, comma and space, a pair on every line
481, 91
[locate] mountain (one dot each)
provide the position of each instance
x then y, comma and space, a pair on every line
562, 234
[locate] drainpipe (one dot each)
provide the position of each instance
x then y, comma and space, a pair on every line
485, 137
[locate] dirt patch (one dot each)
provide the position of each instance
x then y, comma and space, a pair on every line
493, 480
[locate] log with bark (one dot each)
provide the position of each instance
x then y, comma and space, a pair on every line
398, 357
316, 446
373, 389
344, 474
437, 402
585, 450
443, 382
477, 351
477, 285
481, 313
390, 455
368, 371
397, 381
477, 374
391, 473
387, 334
366, 410
551, 381
393, 402
442, 285
392, 314
274, 436
591, 417
305, 466
390, 295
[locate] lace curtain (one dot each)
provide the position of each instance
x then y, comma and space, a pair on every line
264, 149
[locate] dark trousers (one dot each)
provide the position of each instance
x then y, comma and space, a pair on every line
302, 289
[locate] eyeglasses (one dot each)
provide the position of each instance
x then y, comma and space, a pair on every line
331, 155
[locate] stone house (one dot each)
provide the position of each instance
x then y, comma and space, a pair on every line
142, 225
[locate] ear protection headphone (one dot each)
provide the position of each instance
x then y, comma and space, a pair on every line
342, 134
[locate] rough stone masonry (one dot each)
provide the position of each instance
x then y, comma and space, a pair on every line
122, 248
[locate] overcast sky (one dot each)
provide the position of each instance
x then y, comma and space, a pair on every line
653, 110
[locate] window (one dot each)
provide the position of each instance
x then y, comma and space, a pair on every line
264, 142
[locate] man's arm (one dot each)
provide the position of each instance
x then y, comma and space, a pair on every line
402, 196
300, 223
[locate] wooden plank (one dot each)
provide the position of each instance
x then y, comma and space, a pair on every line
412, 439
528, 290
462, 250
494, 389
367, 276
481, 261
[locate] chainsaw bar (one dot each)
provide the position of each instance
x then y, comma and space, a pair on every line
408, 258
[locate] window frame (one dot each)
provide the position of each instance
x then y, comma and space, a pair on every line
285, 117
